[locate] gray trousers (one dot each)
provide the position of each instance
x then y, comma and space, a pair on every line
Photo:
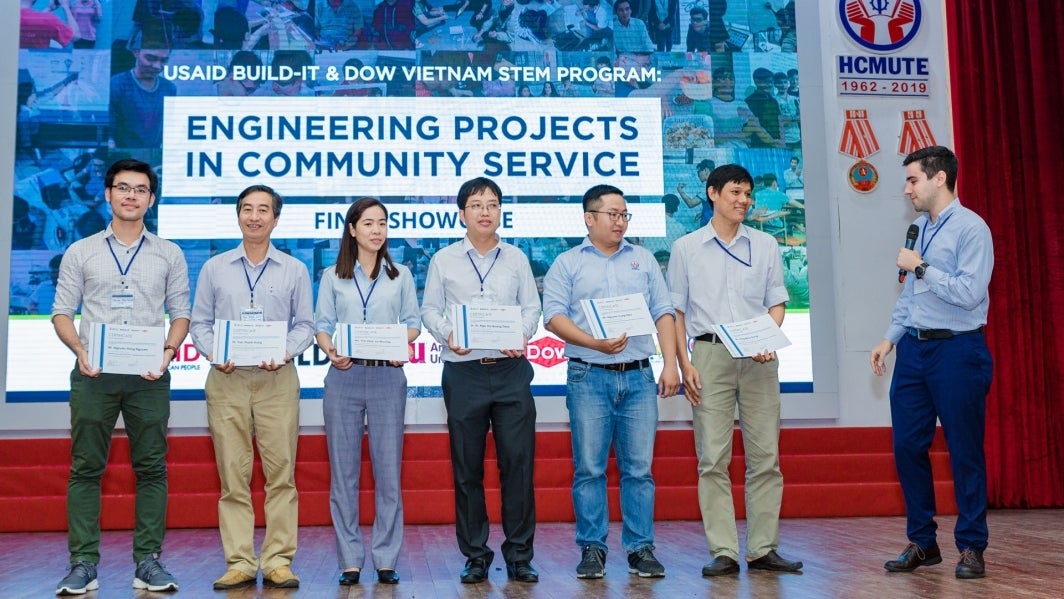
353, 399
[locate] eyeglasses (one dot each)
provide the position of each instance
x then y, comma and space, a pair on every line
614, 216
697, 19
480, 207
139, 191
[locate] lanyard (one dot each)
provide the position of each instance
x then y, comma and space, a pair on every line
252, 286
485, 275
924, 246
124, 271
365, 298
737, 259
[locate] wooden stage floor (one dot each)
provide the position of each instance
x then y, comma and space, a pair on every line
843, 558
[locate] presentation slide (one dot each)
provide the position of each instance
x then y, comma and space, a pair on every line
401, 100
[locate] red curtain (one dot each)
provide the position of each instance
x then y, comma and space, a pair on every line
1007, 84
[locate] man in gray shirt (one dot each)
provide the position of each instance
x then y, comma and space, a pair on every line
122, 275
255, 281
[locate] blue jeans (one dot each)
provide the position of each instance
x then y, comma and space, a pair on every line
620, 407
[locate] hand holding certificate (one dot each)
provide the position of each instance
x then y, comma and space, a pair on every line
487, 327
125, 349
249, 343
747, 338
609, 317
373, 341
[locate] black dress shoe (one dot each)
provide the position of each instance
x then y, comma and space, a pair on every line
349, 578
522, 571
476, 570
773, 562
387, 576
720, 566
913, 557
971, 564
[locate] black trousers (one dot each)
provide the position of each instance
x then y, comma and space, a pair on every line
478, 395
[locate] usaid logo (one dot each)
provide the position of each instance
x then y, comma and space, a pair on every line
880, 25
546, 351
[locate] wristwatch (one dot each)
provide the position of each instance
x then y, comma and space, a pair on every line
920, 270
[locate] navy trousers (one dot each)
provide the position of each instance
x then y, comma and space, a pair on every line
945, 379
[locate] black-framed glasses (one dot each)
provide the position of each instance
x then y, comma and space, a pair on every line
614, 216
140, 191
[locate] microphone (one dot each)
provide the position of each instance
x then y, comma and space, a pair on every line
910, 243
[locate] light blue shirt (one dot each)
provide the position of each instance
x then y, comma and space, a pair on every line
713, 282
960, 254
391, 301
453, 280
584, 272
283, 293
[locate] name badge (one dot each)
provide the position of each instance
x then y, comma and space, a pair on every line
122, 301
252, 315
483, 298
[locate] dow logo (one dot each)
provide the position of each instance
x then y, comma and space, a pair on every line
881, 25
546, 351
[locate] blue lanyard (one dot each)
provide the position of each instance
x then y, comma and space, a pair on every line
737, 259
484, 277
365, 298
124, 271
252, 286
924, 246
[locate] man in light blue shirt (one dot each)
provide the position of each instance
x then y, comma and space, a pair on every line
487, 387
611, 394
943, 369
255, 281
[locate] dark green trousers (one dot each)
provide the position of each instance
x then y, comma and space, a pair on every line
95, 404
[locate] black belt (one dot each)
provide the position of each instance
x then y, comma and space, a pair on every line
370, 363
622, 367
493, 360
926, 334
708, 338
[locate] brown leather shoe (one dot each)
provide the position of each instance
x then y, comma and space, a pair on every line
233, 579
280, 578
913, 557
773, 562
971, 564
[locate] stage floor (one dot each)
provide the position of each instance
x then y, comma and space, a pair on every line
843, 558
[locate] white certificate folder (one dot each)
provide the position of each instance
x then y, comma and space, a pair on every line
487, 327
125, 349
608, 317
249, 342
373, 341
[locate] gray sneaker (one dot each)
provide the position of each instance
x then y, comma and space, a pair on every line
152, 575
592, 563
80, 580
643, 563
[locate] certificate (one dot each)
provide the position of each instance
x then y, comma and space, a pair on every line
488, 327
373, 341
748, 337
608, 317
249, 343
125, 349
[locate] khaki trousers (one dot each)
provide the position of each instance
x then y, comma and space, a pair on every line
727, 381
255, 402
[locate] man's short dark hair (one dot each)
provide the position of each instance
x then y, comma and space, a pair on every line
672, 203
934, 159
769, 179
698, 10
278, 201
593, 196
728, 173
136, 166
762, 74
705, 165
474, 186
617, 3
